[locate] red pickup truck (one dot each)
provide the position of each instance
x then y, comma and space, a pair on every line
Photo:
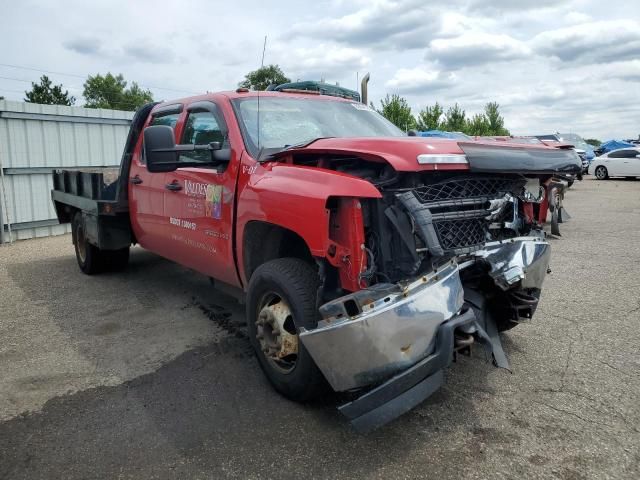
368, 258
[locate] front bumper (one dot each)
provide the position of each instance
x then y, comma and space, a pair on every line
402, 340
391, 334
410, 387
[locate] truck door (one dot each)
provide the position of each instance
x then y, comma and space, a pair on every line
146, 190
200, 206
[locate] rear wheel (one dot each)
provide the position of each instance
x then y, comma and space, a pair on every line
91, 259
281, 300
601, 173
87, 255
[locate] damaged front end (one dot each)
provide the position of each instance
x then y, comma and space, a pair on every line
453, 259
398, 338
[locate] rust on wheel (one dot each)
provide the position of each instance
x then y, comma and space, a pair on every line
276, 332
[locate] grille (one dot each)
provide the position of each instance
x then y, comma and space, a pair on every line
465, 188
459, 234
452, 216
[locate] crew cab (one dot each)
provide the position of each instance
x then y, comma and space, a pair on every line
367, 258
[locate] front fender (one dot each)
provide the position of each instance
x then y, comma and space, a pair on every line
295, 197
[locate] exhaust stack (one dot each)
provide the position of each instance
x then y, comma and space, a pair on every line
363, 89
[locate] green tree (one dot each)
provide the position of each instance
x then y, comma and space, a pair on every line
478, 125
594, 142
263, 77
48, 94
110, 91
396, 109
429, 118
495, 119
455, 119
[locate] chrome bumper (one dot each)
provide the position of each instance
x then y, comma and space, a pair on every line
522, 259
392, 332
390, 335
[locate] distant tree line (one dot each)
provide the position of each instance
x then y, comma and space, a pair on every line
100, 91
396, 109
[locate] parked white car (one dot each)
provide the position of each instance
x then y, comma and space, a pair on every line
624, 162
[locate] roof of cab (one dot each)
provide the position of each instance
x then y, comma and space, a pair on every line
233, 94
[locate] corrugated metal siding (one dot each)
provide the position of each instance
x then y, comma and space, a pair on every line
51, 136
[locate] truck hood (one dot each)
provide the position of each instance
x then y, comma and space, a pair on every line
443, 154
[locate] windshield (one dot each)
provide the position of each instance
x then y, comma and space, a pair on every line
291, 121
576, 140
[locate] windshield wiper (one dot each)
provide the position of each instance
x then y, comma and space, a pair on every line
266, 154
306, 143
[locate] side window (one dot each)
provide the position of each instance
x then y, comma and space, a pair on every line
170, 119
623, 154
201, 128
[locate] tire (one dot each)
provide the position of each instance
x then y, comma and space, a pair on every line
601, 173
281, 299
87, 255
90, 258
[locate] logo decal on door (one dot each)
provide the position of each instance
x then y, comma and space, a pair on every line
213, 202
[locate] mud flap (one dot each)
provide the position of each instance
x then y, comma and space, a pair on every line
487, 329
563, 215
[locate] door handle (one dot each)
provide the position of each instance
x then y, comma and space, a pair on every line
173, 186
136, 180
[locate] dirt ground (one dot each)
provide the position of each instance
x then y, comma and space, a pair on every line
148, 374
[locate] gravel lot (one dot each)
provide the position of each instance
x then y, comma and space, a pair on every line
148, 374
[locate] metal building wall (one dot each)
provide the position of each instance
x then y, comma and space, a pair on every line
37, 139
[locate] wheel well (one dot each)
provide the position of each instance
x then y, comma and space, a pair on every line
265, 241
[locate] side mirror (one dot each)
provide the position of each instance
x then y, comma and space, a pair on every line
163, 155
160, 149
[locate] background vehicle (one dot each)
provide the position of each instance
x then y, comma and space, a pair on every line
624, 162
581, 145
612, 145
367, 258
443, 134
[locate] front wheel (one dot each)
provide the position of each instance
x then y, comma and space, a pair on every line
601, 173
282, 299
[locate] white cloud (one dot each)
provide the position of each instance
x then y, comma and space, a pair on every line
513, 5
578, 17
596, 42
419, 80
385, 24
473, 48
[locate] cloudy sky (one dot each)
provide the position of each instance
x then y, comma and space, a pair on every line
552, 65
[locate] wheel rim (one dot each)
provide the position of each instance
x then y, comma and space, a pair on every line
276, 332
81, 244
600, 173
